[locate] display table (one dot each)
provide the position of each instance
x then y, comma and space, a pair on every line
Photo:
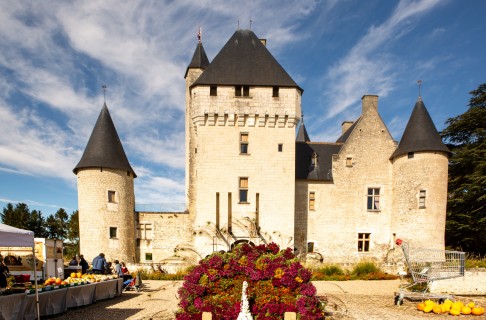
23, 307
50, 303
11, 306
80, 295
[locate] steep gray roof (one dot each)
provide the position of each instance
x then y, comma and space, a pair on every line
199, 59
302, 135
420, 133
303, 165
244, 60
104, 149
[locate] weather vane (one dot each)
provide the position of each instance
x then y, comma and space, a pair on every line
238, 21
104, 92
199, 35
419, 86
251, 21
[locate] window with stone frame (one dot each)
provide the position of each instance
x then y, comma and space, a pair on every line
243, 188
242, 91
312, 201
364, 242
244, 143
310, 247
373, 199
113, 232
275, 92
145, 231
213, 91
148, 256
422, 196
111, 196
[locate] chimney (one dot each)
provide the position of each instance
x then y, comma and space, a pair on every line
345, 126
369, 101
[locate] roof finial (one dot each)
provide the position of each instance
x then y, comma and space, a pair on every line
238, 23
199, 35
251, 21
302, 117
104, 93
419, 82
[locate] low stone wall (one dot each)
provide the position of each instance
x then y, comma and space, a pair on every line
473, 283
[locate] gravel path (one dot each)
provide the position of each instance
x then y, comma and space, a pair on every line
346, 300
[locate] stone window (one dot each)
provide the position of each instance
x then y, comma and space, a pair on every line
310, 247
111, 196
275, 92
243, 187
242, 91
349, 161
148, 256
312, 200
243, 143
410, 155
145, 231
113, 232
213, 90
422, 195
364, 242
280, 147
373, 203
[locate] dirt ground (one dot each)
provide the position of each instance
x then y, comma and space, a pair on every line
346, 300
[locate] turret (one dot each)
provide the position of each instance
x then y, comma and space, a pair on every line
106, 196
420, 174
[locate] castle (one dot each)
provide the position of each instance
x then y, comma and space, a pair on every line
251, 176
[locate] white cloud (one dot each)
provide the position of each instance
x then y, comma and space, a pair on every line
368, 68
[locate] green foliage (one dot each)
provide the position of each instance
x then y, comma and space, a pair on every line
331, 269
157, 275
466, 205
364, 268
57, 226
473, 262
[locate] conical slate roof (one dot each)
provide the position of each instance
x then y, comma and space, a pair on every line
420, 133
302, 135
199, 59
104, 149
244, 60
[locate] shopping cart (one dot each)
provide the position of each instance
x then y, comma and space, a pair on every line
427, 266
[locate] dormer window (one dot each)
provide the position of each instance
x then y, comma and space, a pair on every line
242, 91
314, 159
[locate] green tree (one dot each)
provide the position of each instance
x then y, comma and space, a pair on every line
17, 216
466, 205
37, 224
72, 247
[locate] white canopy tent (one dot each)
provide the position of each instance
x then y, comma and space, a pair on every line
15, 237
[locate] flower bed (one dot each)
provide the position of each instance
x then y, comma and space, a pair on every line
277, 283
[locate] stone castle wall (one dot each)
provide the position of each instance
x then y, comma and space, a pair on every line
218, 124
97, 214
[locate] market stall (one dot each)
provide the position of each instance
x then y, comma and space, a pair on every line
15, 237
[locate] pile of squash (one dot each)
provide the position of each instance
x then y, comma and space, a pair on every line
449, 307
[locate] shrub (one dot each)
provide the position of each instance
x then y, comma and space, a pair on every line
364, 268
277, 283
473, 262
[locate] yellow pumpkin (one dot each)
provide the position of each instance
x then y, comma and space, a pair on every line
73, 275
471, 305
466, 310
454, 312
428, 308
437, 309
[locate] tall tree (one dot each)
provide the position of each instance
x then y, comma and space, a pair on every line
17, 216
8, 214
37, 224
466, 206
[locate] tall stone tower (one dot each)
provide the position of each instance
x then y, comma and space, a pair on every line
106, 198
241, 113
420, 169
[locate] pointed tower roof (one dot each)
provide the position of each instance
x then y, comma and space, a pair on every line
199, 59
302, 135
104, 147
244, 60
420, 133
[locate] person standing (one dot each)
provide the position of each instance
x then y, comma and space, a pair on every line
73, 262
83, 263
118, 269
100, 264
3, 273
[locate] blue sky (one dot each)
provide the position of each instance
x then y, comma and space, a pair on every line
56, 55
